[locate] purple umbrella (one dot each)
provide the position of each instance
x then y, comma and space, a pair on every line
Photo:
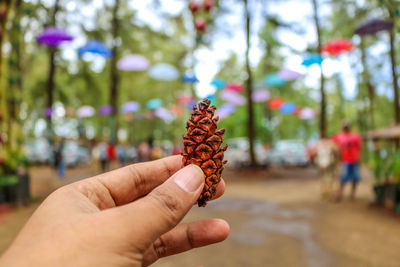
48, 112
133, 63
131, 106
260, 95
164, 114
53, 36
225, 110
307, 113
85, 111
373, 26
233, 98
288, 75
106, 110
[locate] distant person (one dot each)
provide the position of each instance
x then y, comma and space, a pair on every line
111, 155
59, 160
121, 153
102, 147
144, 151
349, 144
326, 158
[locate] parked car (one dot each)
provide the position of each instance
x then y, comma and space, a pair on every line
75, 154
38, 151
238, 152
288, 153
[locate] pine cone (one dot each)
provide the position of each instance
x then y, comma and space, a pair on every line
202, 146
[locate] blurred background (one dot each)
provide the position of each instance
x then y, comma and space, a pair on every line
91, 85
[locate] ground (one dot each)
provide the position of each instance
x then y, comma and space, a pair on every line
277, 218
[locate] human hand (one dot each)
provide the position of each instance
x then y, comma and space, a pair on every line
126, 217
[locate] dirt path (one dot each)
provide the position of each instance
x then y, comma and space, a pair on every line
276, 219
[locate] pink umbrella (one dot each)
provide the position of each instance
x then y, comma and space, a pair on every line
133, 63
185, 99
53, 36
236, 87
260, 95
233, 98
288, 75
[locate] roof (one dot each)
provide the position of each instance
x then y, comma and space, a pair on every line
390, 132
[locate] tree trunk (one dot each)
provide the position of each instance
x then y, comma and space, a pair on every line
114, 79
394, 75
322, 122
249, 90
52, 71
5, 7
367, 82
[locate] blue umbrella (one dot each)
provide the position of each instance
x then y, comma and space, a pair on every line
274, 79
191, 104
163, 72
154, 103
312, 58
95, 47
288, 108
189, 77
219, 83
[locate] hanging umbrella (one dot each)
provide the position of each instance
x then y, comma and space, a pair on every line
133, 63
95, 47
274, 79
307, 113
85, 111
164, 72
191, 104
276, 103
131, 106
176, 110
48, 112
288, 75
233, 98
154, 103
185, 99
260, 95
53, 36
225, 110
311, 59
287, 108
373, 26
164, 114
218, 83
236, 87
106, 110
337, 47
189, 77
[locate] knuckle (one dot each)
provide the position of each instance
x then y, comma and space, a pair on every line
160, 247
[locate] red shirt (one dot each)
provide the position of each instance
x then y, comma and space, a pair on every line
350, 146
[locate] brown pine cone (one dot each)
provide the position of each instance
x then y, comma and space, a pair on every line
202, 146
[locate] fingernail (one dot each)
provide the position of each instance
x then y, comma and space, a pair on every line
190, 178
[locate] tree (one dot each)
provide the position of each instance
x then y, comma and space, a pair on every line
322, 122
249, 89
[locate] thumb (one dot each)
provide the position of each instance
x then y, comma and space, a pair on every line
164, 207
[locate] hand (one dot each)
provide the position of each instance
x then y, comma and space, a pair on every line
127, 217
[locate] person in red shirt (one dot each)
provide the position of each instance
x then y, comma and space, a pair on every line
349, 144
